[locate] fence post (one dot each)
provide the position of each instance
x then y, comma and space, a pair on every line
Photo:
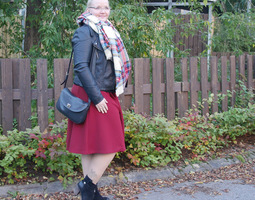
7, 101
214, 82
157, 96
193, 82
125, 99
224, 82
183, 95
242, 68
232, 78
170, 95
25, 94
204, 84
42, 94
60, 68
249, 71
138, 79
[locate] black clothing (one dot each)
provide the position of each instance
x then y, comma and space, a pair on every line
87, 48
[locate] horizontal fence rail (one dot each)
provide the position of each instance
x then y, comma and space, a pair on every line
156, 86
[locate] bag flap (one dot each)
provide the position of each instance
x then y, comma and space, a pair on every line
71, 102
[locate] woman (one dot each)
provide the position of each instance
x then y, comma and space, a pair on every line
102, 134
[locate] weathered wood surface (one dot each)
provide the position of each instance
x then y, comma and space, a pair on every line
152, 88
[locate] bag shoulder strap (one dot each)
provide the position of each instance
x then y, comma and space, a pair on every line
92, 34
68, 70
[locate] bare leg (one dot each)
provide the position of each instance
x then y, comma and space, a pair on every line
86, 163
94, 165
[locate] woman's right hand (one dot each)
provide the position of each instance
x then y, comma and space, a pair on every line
102, 106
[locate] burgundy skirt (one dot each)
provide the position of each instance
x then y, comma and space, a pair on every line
100, 133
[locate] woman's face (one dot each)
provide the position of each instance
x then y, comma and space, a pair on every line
100, 8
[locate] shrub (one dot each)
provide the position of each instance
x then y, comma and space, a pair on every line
150, 141
236, 121
46, 151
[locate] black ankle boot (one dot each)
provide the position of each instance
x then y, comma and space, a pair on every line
98, 195
87, 189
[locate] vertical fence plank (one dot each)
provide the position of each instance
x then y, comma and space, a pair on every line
138, 79
204, 85
242, 68
183, 96
15, 85
249, 71
157, 64
60, 68
193, 82
163, 87
224, 82
7, 105
214, 82
232, 78
147, 90
25, 94
42, 94
125, 99
170, 95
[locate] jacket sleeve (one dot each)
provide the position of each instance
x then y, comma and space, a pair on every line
82, 47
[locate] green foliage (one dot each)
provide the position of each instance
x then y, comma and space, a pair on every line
9, 15
236, 121
14, 156
243, 95
46, 151
234, 32
234, 6
150, 141
198, 135
143, 32
140, 31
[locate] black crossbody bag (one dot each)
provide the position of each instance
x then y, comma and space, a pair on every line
68, 104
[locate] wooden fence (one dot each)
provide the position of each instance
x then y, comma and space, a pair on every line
151, 89
195, 44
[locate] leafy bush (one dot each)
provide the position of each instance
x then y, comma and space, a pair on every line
198, 134
46, 151
236, 121
234, 32
150, 142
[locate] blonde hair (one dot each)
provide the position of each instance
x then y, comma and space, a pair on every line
89, 3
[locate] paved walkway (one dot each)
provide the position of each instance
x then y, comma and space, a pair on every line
220, 190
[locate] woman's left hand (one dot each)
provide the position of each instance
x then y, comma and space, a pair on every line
102, 106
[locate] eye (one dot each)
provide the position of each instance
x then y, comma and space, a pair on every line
99, 8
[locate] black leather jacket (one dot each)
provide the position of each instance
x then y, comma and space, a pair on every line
87, 48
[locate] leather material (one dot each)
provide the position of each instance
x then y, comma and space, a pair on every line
87, 189
72, 107
87, 48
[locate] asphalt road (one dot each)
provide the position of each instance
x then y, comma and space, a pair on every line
219, 190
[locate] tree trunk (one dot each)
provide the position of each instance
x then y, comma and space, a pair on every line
33, 18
